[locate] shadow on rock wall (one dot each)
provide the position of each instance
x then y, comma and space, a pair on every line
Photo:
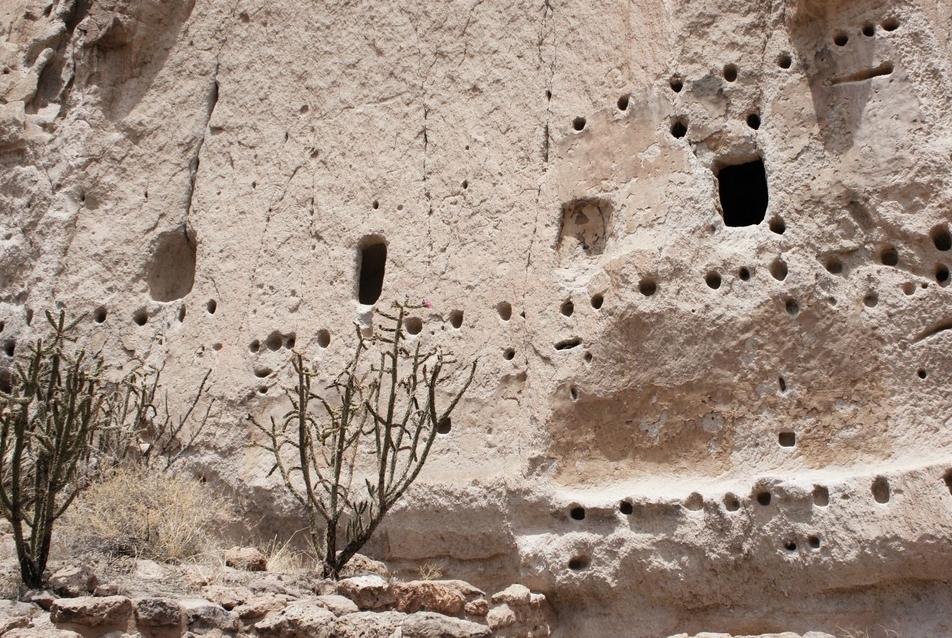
837, 44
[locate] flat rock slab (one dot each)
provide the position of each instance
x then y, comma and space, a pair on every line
91, 611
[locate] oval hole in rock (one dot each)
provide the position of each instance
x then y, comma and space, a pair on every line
211, 306
948, 480
578, 123
908, 288
731, 503
679, 128
730, 72
456, 319
254, 346
941, 238
782, 383
579, 563
573, 393
763, 498
568, 344
792, 307
821, 496
597, 300
921, 373
833, 265
869, 29
274, 341
504, 308
99, 315
508, 354
623, 103
588, 357
881, 490
890, 24
778, 269
647, 286
889, 256
444, 426
840, 39
626, 508
568, 308
676, 84
814, 542
262, 371
140, 317
871, 300
577, 513
414, 325
290, 340
263, 389
375, 204
784, 61
790, 546
10, 348
323, 338
371, 267
694, 502
713, 280
753, 121
942, 274
777, 225
744, 274
181, 314
787, 439
171, 273
465, 184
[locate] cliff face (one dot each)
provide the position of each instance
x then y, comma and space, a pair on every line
701, 250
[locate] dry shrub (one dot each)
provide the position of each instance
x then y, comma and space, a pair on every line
145, 513
285, 559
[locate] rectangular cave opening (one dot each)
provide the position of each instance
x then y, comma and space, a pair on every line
743, 193
370, 270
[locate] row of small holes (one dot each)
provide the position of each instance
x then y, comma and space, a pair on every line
821, 497
141, 316
840, 38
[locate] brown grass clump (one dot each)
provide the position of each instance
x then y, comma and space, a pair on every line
145, 513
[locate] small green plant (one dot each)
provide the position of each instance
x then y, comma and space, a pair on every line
387, 410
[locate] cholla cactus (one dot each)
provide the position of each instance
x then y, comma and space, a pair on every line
323, 451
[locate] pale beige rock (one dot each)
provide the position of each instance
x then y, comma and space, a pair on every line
202, 614
91, 611
432, 625
226, 596
360, 565
74, 581
259, 605
367, 592
340, 605
546, 175
300, 619
42, 632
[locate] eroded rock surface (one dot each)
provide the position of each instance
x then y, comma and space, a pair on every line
701, 250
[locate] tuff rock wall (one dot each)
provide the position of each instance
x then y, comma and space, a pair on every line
676, 424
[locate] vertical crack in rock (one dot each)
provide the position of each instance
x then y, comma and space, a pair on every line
193, 163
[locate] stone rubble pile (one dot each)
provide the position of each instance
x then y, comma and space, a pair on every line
251, 603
